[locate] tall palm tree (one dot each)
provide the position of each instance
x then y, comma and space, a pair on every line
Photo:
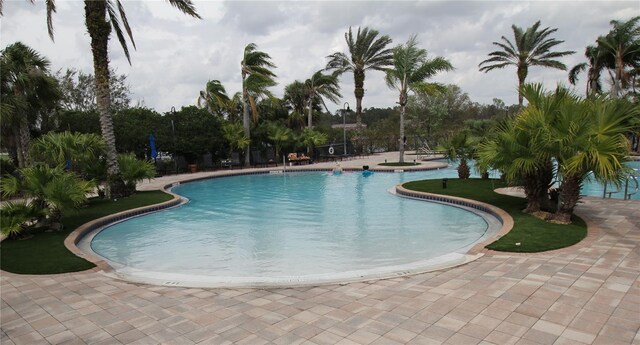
214, 97
26, 89
622, 43
367, 51
411, 68
530, 48
257, 77
318, 86
101, 17
295, 100
598, 61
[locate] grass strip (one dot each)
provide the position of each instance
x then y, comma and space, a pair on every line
45, 253
533, 234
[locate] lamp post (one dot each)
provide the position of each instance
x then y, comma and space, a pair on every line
173, 132
344, 127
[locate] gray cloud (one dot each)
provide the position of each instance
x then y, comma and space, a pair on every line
176, 55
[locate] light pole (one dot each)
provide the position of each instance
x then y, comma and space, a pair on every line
344, 127
173, 132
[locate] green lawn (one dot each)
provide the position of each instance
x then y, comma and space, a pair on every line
533, 234
398, 164
45, 252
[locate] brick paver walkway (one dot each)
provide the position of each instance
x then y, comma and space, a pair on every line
585, 294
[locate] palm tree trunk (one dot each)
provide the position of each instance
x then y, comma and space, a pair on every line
99, 30
310, 115
568, 199
246, 122
358, 77
24, 139
522, 76
402, 109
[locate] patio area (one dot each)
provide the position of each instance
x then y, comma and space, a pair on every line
585, 294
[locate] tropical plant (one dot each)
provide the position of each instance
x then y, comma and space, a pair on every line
135, 170
279, 135
622, 44
460, 147
295, 99
318, 87
73, 151
257, 77
598, 61
411, 68
17, 217
367, 51
529, 48
214, 97
50, 189
26, 88
100, 18
312, 138
234, 134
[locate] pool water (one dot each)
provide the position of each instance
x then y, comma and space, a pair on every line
291, 225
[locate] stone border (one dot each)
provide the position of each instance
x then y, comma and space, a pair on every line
71, 242
505, 218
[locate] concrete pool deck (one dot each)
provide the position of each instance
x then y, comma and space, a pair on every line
585, 294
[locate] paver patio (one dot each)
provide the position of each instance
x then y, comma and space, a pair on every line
585, 294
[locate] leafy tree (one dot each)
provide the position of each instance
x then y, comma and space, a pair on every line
26, 90
321, 86
411, 68
257, 77
79, 90
531, 47
197, 132
100, 18
367, 52
77, 121
214, 98
133, 126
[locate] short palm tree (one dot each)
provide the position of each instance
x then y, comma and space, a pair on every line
234, 134
101, 17
26, 87
74, 151
318, 87
530, 48
257, 77
312, 138
135, 170
17, 217
279, 135
411, 68
367, 51
214, 97
622, 44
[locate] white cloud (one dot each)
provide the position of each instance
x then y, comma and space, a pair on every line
176, 54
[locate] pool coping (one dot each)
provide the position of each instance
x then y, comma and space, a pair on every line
453, 259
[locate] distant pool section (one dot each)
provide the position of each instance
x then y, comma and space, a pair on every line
291, 229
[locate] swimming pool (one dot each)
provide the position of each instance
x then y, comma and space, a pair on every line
294, 227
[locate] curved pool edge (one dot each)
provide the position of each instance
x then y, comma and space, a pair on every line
73, 239
503, 217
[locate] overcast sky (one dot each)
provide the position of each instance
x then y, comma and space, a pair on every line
176, 54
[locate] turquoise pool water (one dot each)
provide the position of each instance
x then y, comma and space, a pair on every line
289, 225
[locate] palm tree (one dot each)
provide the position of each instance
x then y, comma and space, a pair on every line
311, 138
532, 48
367, 52
26, 88
295, 99
279, 135
598, 61
257, 76
16, 218
134, 170
318, 86
214, 97
102, 16
74, 151
411, 68
234, 134
622, 44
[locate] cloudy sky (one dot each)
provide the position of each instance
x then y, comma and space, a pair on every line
176, 54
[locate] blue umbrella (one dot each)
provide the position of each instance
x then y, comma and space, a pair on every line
152, 144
